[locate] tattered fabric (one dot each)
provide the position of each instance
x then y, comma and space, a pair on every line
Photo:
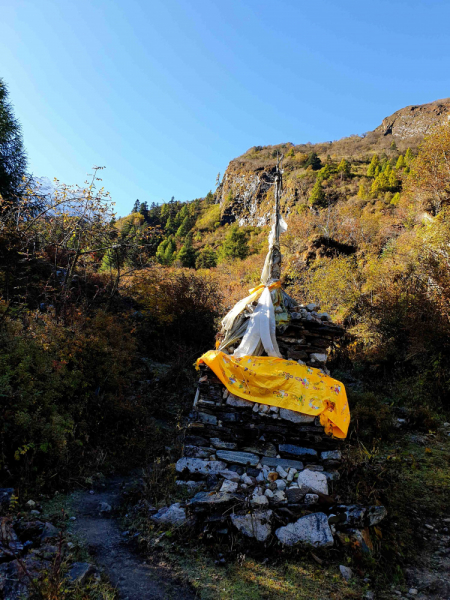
286, 384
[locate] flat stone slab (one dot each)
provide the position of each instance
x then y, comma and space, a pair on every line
312, 530
314, 480
80, 571
255, 525
197, 465
211, 498
172, 515
286, 463
241, 458
207, 418
239, 402
295, 417
331, 455
221, 445
298, 451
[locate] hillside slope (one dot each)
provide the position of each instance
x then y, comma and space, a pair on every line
245, 192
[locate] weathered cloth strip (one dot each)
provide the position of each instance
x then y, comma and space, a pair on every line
284, 383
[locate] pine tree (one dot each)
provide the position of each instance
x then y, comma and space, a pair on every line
166, 251
170, 225
187, 254
13, 160
400, 162
314, 161
363, 191
409, 156
209, 198
377, 171
184, 228
136, 207
393, 146
317, 196
393, 180
143, 209
344, 168
374, 163
395, 199
235, 245
207, 259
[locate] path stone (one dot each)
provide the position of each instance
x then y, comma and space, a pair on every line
312, 530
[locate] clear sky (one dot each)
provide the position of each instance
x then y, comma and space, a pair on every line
164, 93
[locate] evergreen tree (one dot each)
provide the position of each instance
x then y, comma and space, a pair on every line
187, 254
209, 198
314, 161
170, 225
206, 259
395, 199
400, 162
374, 163
393, 146
235, 244
317, 196
136, 207
393, 180
363, 191
377, 170
184, 228
143, 209
12, 154
409, 156
344, 169
166, 252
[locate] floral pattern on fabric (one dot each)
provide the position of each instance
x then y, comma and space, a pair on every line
286, 384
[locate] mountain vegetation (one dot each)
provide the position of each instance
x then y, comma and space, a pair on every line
102, 317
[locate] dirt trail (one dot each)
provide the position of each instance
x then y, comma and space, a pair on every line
133, 578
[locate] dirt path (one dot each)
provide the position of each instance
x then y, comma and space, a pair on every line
133, 578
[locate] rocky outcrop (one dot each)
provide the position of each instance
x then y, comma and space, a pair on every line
415, 121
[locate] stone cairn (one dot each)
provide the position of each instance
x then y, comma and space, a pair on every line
264, 471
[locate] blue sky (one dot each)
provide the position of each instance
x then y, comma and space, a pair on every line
164, 93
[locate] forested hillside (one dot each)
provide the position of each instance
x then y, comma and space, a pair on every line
102, 317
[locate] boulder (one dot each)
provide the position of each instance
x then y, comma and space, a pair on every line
312, 530
79, 572
255, 525
295, 417
49, 531
346, 572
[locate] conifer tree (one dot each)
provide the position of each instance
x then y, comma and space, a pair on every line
187, 254
235, 245
12, 154
166, 251
206, 259
363, 191
170, 225
409, 156
136, 207
400, 162
317, 196
344, 168
374, 163
313, 161
184, 228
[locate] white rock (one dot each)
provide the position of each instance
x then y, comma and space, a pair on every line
281, 484
295, 417
274, 409
259, 501
413, 591
300, 362
260, 477
173, 515
264, 408
314, 480
319, 357
346, 572
255, 525
229, 486
268, 493
197, 465
311, 499
256, 407
238, 402
312, 529
281, 472
246, 479
279, 496
331, 455
31, 504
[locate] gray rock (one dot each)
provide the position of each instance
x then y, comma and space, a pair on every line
295, 495
197, 465
79, 572
311, 499
221, 445
229, 486
239, 402
332, 475
255, 525
285, 463
231, 475
259, 500
242, 458
172, 515
346, 572
295, 417
5, 496
191, 486
318, 357
197, 452
49, 532
31, 504
208, 498
207, 418
297, 451
312, 306
375, 514
331, 455
104, 507
312, 530
314, 481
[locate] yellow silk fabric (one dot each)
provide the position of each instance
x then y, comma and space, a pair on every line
284, 383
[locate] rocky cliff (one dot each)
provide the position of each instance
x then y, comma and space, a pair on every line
246, 192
